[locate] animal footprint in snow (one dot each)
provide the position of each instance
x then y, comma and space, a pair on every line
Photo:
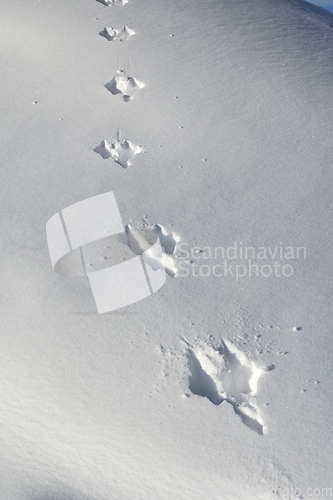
168, 241
225, 374
139, 242
128, 86
167, 238
113, 2
113, 34
121, 152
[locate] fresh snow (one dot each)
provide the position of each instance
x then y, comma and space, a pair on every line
218, 386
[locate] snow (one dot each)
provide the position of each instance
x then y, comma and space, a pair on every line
121, 151
114, 34
213, 387
123, 84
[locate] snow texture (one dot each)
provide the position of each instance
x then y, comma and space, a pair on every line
235, 115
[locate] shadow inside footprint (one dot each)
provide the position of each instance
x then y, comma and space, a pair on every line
112, 34
122, 152
201, 384
167, 238
247, 420
225, 374
138, 240
128, 86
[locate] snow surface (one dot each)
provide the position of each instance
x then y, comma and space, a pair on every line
213, 387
